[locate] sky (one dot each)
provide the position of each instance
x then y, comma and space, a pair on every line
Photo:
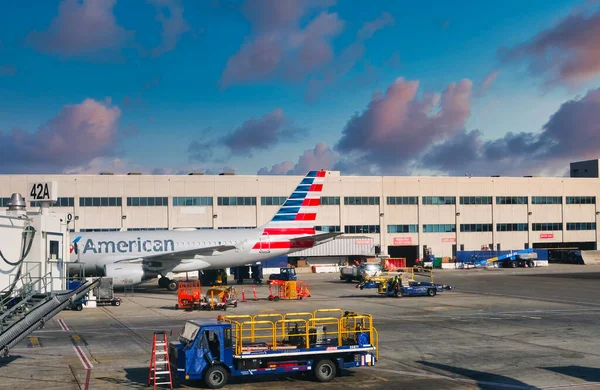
286, 86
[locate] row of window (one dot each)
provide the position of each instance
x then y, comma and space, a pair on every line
236, 201
511, 200
236, 227
439, 228
60, 202
100, 202
329, 228
546, 226
145, 229
402, 200
581, 226
272, 200
361, 200
475, 200
546, 200
437, 200
101, 230
148, 201
512, 227
581, 200
476, 227
192, 201
353, 229
403, 228
330, 200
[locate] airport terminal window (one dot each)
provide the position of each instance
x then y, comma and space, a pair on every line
512, 227
146, 229
328, 229
361, 200
330, 200
236, 201
403, 228
236, 227
4, 202
546, 200
60, 202
581, 226
546, 226
100, 230
476, 227
475, 200
272, 200
148, 201
511, 200
192, 201
361, 229
439, 228
581, 200
402, 200
99, 202
437, 200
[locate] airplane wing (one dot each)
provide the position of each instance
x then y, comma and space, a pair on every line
180, 255
317, 238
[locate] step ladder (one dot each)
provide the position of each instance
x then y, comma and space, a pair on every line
160, 367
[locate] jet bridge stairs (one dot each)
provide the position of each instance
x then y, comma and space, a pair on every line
28, 308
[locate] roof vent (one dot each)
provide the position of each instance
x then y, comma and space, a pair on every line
16, 202
196, 173
106, 173
134, 173
227, 174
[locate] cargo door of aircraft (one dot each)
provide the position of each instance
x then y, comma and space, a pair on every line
265, 243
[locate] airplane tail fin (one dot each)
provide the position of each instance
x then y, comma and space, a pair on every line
297, 215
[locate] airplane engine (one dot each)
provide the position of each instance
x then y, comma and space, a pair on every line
126, 274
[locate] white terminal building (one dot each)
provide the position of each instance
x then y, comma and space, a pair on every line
402, 215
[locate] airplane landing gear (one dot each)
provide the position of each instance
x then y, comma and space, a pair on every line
170, 285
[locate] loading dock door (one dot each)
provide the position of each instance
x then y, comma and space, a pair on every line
410, 252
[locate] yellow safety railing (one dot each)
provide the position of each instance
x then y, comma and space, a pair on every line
298, 329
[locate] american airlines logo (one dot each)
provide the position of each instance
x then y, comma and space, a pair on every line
139, 245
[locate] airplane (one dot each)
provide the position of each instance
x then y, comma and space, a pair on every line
132, 258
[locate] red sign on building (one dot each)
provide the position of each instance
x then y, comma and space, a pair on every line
402, 240
448, 239
543, 236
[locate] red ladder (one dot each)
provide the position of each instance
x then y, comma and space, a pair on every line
160, 368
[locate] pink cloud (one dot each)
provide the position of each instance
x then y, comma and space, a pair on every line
396, 127
279, 46
82, 29
320, 157
565, 53
78, 134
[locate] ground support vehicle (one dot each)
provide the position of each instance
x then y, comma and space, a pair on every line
219, 298
294, 289
78, 304
322, 343
245, 272
285, 274
406, 285
360, 272
522, 258
189, 294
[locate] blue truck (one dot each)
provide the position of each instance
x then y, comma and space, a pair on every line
412, 288
514, 259
322, 343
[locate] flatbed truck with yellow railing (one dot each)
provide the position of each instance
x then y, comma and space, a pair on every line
323, 342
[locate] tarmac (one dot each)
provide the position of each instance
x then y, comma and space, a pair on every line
500, 329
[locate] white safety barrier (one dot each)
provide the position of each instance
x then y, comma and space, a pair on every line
322, 269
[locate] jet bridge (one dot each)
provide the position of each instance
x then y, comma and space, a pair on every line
34, 251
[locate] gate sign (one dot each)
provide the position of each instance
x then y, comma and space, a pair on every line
402, 240
542, 236
42, 191
446, 239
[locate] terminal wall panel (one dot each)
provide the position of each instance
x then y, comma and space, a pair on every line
510, 240
328, 216
230, 216
99, 217
580, 236
580, 212
361, 215
192, 217
474, 213
545, 213
510, 213
151, 217
401, 215
474, 241
434, 214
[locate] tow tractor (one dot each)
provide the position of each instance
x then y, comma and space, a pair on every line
406, 286
322, 343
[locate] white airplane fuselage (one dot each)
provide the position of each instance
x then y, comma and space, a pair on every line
97, 249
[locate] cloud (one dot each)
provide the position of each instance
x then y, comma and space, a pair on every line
278, 46
348, 57
487, 82
170, 16
321, 157
83, 28
396, 127
571, 133
7, 70
78, 134
566, 53
254, 134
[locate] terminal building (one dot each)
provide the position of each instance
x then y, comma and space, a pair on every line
403, 215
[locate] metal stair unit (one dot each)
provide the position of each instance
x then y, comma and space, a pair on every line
27, 309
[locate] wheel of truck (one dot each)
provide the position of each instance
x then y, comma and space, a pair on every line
216, 377
172, 285
276, 298
348, 279
235, 304
401, 293
530, 264
431, 292
79, 307
324, 370
162, 282
513, 264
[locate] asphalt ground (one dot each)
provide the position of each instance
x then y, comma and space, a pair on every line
500, 329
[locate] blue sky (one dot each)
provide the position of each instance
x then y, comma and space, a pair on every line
166, 78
